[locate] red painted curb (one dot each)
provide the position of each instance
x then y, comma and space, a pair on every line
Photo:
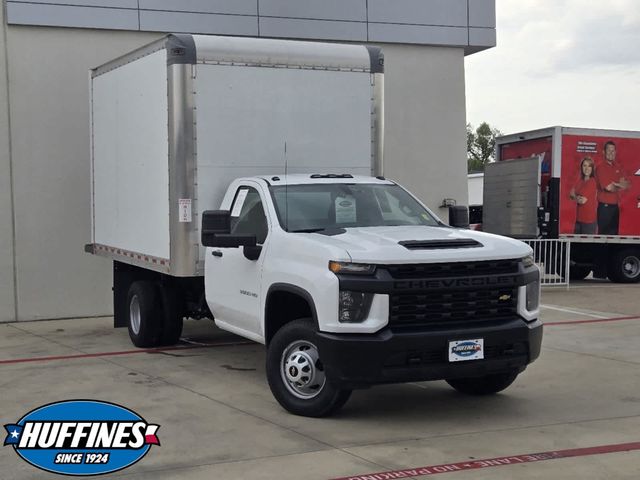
495, 462
123, 352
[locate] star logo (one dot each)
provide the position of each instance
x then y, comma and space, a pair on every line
15, 434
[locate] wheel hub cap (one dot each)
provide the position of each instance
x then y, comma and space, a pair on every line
631, 266
134, 315
301, 370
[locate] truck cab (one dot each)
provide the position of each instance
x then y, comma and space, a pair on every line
350, 281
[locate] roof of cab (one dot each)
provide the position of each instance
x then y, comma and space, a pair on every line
311, 179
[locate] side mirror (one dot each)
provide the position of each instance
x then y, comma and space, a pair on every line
214, 222
459, 216
216, 228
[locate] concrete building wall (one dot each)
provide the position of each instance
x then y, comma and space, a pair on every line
49, 108
7, 286
425, 139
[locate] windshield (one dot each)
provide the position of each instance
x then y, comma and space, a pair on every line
309, 208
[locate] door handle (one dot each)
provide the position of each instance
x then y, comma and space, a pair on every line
216, 253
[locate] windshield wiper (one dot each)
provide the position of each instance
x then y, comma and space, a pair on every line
307, 230
328, 231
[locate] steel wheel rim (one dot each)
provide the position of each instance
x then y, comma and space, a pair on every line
301, 370
134, 315
631, 266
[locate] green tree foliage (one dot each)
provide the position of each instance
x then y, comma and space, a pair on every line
481, 144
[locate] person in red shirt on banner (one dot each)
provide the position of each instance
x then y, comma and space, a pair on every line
612, 180
584, 194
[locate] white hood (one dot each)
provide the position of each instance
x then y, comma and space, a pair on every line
380, 245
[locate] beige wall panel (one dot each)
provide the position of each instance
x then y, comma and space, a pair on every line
7, 287
425, 122
49, 104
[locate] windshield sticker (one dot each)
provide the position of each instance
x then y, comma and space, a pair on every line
237, 207
345, 209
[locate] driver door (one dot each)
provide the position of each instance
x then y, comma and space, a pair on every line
232, 281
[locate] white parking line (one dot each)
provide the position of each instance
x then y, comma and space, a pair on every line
577, 312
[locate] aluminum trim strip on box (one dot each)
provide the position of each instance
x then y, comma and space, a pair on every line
262, 51
184, 244
133, 258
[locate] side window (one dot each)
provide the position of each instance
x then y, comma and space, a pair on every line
247, 215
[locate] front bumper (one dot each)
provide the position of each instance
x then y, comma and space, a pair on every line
361, 360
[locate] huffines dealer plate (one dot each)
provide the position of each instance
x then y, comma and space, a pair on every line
461, 350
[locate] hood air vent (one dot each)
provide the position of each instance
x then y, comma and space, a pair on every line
440, 244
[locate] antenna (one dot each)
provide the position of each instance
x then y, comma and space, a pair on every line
286, 189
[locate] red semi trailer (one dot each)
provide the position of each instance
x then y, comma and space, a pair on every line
582, 185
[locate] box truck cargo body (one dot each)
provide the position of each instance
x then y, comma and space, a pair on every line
240, 180
582, 185
173, 123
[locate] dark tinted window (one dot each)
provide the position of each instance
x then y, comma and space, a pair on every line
247, 215
341, 205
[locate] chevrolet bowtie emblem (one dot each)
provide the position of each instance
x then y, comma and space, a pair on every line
504, 298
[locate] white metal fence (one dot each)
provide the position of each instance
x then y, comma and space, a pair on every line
552, 256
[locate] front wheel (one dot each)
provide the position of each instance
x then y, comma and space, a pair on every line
296, 374
487, 385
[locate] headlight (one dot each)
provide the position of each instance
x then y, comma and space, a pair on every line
352, 268
354, 306
528, 261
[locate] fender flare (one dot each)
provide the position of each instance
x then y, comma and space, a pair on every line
296, 290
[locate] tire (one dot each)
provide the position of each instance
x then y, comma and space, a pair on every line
487, 385
144, 319
624, 266
291, 355
579, 272
172, 316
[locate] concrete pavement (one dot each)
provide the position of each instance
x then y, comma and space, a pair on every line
219, 420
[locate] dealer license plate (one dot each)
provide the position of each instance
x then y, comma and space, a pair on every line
462, 350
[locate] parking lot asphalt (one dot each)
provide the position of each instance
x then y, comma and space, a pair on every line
573, 414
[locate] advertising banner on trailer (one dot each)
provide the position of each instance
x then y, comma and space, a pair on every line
600, 185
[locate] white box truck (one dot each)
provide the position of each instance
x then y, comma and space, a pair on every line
239, 179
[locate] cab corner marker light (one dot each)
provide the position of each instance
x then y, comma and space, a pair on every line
335, 266
353, 268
